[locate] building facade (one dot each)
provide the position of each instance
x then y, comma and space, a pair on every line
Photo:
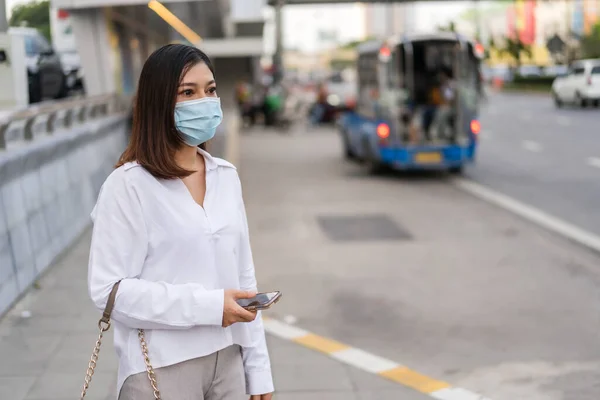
114, 37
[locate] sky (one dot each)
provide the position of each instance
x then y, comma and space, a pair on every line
10, 4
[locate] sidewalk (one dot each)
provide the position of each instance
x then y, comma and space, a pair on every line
45, 356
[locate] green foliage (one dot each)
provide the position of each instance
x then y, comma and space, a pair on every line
450, 28
542, 81
35, 14
490, 46
533, 84
590, 44
515, 49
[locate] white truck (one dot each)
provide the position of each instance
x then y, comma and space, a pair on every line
580, 86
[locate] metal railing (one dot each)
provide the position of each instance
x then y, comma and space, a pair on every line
45, 119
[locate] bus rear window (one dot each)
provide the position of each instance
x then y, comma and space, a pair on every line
596, 70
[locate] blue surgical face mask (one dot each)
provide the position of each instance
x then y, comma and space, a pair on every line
197, 120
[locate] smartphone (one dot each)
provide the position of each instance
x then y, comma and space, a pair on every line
262, 301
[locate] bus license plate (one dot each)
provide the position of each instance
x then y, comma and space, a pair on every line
428, 158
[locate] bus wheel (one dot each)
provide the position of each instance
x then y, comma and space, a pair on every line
371, 164
456, 170
348, 153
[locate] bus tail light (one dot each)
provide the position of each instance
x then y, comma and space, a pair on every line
475, 127
383, 131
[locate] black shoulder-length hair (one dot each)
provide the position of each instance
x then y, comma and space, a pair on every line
154, 138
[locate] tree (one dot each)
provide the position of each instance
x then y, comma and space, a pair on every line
450, 28
515, 48
590, 43
490, 48
35, 14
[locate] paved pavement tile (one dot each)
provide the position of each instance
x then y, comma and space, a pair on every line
45, 356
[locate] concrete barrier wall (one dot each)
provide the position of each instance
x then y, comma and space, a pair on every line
47, 191
49, 186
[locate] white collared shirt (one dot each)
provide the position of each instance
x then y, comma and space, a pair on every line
174, 259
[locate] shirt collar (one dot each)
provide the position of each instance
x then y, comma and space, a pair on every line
209, 161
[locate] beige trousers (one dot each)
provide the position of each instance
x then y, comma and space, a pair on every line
219, 376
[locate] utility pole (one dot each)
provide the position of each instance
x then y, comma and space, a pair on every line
477, 21
390, 19
3, 20
278, 56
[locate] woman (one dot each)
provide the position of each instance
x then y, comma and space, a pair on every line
170, 226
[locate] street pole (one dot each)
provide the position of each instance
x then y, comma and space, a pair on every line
390, 20
477, 22
3, 20
278, 56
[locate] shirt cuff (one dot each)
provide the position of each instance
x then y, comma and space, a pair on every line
210, 304
259, 382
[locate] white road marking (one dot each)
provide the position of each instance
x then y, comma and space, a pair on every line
532, 146
532, 214
593, 162
563, 121
457, 394
282, 330
365, 361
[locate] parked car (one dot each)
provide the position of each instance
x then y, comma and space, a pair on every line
73, 72
580, 86
46, 78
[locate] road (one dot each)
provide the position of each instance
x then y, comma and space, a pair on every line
415, 270
542, 156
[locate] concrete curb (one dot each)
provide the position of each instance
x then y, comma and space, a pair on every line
370, 363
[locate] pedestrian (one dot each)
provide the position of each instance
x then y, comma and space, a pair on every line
170, 231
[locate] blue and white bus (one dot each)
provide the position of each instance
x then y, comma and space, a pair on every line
417, 105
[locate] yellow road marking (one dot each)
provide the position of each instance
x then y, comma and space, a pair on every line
414, 380
321, 344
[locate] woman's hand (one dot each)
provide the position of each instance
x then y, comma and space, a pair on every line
267, 396
232, 311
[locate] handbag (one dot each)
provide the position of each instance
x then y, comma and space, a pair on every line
104, 325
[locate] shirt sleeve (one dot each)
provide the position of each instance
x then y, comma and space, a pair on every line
117, 253
257, 365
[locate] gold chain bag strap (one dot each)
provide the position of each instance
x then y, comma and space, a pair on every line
104, 325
